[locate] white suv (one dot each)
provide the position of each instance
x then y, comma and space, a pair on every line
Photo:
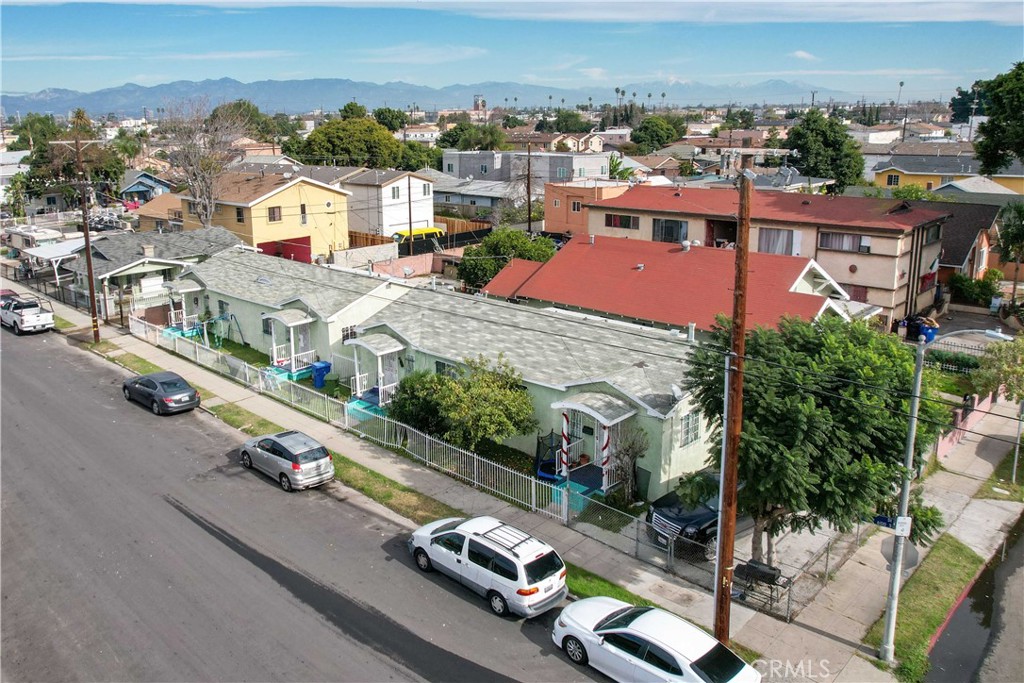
516, 572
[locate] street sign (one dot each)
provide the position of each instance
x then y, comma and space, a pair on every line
887, 522
902, 526
910, 554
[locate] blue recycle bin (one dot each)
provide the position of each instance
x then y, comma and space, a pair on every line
320, 370
929, 333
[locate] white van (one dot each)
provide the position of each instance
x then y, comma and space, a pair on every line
516, 572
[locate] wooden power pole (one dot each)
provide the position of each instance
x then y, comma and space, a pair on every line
734, 418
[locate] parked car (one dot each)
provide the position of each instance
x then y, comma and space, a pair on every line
629, 643
669, 520
163, 392
516, 572
6, 294
295, 460
26, 314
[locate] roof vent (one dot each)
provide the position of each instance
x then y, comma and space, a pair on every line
695, 243
677, 194
263, 280
639, 266
806, 202
591, 239
685, 244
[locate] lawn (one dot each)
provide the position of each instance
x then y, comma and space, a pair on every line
136, 364
243, 420
245, 353
925, 600
62, 324
104, 346
1000, 480
956, 383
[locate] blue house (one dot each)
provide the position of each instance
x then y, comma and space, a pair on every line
141, 186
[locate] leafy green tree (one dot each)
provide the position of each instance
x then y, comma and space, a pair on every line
773, 141
416, 156
353, 142
617, 170
965, 101
127, 145
568, 121
17, 192
486, 401
744, 118
652, 134
826, 151
1002, 135
1002, 365
450, 138
417, 401
34, 131
482, 262
512, 121
466, 136
825, 417
392, 119
679, 123
352, 110
255, 123
1011, 239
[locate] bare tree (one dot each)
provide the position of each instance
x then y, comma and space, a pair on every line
201, 147
632, 444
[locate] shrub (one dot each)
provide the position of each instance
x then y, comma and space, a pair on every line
958, 359
973, 291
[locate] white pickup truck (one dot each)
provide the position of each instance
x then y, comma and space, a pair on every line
26, 314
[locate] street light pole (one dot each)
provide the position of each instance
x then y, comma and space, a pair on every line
885, 652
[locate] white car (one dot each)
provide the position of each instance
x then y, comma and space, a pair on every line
629, 643
516, 572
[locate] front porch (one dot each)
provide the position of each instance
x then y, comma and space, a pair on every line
375, 389
591, 425
294, 358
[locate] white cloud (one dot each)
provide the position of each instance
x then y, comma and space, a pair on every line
420, 53
804, 55
57, 58
240, 54
595, 73
895, 73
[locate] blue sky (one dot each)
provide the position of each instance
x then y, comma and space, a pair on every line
865, 48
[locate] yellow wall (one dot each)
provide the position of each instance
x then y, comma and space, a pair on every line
922, 179
326, 227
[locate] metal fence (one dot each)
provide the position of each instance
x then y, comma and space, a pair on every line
623, 531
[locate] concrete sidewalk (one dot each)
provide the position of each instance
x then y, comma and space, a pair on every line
822, 644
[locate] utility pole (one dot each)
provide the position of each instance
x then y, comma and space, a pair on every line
734, 417
885, 652
529, 188
83, 187
813, 93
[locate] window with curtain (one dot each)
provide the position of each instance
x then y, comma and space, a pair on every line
841, 241
670, 230
775, 241
616, 220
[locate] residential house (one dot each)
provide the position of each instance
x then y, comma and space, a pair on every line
162, 213
658, 165
555, 142
931, 172
11, 163
879, 250
564, 202
423, 134
881, 134
134, 266
966, 238
599, 378
614, 137
651, 283
543, 167
142, 186
286, 215
874, 153
783, 179
471, 197
966, 188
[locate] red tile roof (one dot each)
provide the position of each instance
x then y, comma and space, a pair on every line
786, 207
674, 287
513, 276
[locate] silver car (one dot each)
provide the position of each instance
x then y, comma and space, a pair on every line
295, 460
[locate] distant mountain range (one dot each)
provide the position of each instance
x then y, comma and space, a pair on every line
329, 94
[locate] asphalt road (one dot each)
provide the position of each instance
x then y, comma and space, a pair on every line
136, 548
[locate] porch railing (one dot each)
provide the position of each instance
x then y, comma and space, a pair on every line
387, 391
178, 318
359, 381
279, 353
575, 451
303, 359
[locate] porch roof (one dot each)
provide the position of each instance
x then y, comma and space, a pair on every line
289, 317
378, 344
605, 408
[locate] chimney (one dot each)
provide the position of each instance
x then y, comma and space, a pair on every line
691, 331
147, 250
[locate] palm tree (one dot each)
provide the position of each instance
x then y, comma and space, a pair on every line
549, 101
563, 103
648, 100
663, 100
590, 104
634, 95
515, 101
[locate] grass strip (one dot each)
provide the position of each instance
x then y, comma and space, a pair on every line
243, 420
136, 364
62, 324
104, 346
925, 600
1000, 480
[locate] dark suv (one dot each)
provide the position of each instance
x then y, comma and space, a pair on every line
668, 519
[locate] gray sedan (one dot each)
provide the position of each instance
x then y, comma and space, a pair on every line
295, 460
163, 392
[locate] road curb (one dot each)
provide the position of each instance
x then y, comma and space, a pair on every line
956, 605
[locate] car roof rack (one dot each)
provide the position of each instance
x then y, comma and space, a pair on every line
507, 537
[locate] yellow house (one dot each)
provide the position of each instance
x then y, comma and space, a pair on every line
284, 215
162, 213
931, 172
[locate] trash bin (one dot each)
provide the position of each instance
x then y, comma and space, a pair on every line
320, 370
929, 332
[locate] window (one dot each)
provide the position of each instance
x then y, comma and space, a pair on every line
222, 307
239, 214
840, 241
302, 214
932, 234
480, 554
274, 214
51, 201
426, 189
450, 168
562, 172
193, 209
669, 230
856, 292
557, 203
604, 170
348, 332
581, 172
452, 542
577, 206
946, 179
504, 567
483, 168
929, 185
629, 644
689, 428
447, 199
396, 192
615, 220
660, 659
159, 226
442, 368
472, 202
268, 326
892, 180
775, 241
